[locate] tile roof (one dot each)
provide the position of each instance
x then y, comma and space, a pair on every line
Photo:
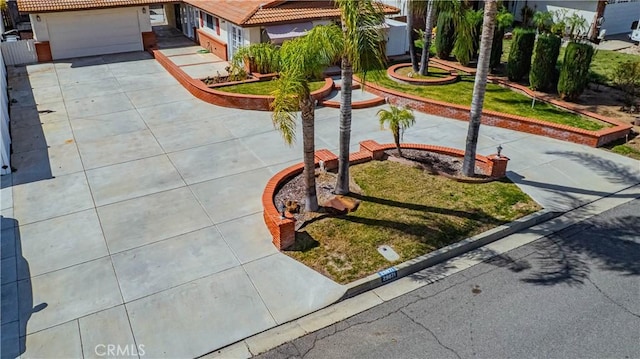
31, 6
300, 10
266, 12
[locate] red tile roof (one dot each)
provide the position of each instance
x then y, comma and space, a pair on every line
267, 12
241, 12
300, 10
31, 6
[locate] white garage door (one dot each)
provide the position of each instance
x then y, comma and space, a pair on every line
89, 33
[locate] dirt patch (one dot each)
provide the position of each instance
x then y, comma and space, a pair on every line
436, 163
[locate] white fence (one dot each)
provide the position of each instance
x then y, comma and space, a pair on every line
5, 139
19, 52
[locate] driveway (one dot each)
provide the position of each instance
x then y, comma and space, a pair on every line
134, 216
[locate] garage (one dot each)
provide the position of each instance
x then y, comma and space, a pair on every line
94, 33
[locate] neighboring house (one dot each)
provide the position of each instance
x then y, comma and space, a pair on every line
614, 16
73, 28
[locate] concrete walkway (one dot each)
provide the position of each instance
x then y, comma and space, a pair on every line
134, 215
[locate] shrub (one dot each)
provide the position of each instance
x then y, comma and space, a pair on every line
519, 62
504, 19
264, 57
543, 66
466, 32
627, 77
574, 74
445, 36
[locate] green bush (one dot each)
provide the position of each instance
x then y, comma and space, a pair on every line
445, 35
574, 74
543, 66
496, 48
265, 57
626, 76
519, 62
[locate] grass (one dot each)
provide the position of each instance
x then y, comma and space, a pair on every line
409, 210
262, 87
433, 72
626, 150
497, 99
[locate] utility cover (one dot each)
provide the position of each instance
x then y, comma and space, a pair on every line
388, 253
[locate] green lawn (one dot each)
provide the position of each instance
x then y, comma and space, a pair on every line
626, 151
408, 209
497, 99
262, 87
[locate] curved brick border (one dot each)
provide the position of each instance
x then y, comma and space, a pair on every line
373, 102
453, 76
283, 229
226, 99
513, 122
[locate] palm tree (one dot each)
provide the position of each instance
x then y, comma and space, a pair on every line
399, 119
412, 46
302, 60
428, 29
479, 86
362, 50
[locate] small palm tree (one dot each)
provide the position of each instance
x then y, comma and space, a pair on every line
399, 119
302, 60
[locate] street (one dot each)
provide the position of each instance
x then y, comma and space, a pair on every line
575, 294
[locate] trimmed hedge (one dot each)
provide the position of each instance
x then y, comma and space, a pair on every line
496, 48
519, 62
543, 69
445, 35
574, 74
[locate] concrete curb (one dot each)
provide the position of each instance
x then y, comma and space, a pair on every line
417, 264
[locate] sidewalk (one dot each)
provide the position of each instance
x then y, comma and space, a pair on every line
136, 218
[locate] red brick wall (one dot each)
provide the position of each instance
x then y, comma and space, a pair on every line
212, 44
248, 102
149, 40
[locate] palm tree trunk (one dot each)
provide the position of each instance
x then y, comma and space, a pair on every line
428, 29
479, 87
396, 139
308, 144
342, 185
412, 48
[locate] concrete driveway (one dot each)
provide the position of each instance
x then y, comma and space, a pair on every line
134, 216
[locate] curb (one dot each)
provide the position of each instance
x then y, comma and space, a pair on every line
453, 250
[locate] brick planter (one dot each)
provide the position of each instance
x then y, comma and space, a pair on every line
513, 122
282, 229
227, 99
453, 76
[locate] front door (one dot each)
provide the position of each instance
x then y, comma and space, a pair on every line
178, 16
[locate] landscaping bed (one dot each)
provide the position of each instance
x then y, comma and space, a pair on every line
497, 98
407, 208
264, 88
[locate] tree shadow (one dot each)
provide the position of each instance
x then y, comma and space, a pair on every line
29, 149
16, 292
611, 170
304, 242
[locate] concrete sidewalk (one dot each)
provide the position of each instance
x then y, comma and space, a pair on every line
134, 216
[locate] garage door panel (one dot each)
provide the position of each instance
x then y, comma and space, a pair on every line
94, 33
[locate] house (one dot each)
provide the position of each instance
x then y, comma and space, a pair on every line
73, 28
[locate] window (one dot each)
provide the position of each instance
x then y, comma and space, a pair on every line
210, 23
236, 39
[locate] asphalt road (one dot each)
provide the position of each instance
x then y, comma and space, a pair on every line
575, 294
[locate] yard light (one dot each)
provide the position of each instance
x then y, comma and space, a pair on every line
499, 148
